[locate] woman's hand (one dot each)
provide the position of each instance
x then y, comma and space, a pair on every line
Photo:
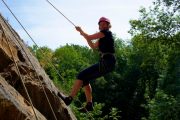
89, 38
78, 29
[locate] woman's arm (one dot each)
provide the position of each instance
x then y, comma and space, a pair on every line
89, 38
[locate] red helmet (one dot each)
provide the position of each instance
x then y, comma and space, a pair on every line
104, 19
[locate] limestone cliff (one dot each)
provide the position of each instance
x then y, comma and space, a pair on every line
14, 103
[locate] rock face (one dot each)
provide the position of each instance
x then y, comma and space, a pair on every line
18, 66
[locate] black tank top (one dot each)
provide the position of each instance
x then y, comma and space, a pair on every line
106, 44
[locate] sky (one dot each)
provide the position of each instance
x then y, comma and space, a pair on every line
49, 28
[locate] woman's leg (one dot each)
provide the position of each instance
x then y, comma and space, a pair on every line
77, 85
83, 79
88, 90
88, 93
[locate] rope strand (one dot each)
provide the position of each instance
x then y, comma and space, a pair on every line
40, 49
16, 65
61, 13
33, 40
35, 70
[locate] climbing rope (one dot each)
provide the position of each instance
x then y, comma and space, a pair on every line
61, 13
41, 50
8, 43
33, 68
34, 41
41, 85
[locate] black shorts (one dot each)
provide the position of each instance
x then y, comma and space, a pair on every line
104, 66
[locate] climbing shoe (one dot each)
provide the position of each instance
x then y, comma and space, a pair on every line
67, 99
87, 108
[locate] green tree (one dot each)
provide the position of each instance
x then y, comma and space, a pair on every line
156, 40
44, 56
164, 107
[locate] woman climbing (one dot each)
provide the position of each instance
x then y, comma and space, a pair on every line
106, 63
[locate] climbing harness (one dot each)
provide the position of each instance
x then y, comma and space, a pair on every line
61, 13
102, 64
103, 54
